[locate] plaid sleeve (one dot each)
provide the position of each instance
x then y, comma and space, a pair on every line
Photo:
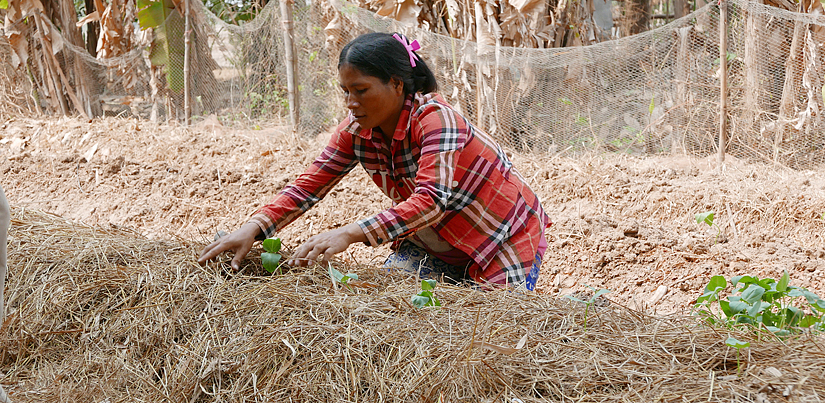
442, 136
336, 160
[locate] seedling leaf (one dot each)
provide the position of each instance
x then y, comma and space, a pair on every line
428, 284
737, 307
419, 301
752, 294
782, 285
706, 217
272, 245
732, 342
598, 294
716, 283
270, 261
335, 275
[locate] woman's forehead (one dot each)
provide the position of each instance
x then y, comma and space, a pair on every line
350, 74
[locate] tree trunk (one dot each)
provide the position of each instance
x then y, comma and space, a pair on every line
681, 8
637, 16
82, 76
92, 30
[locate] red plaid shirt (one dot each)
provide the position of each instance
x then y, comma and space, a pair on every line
440, 171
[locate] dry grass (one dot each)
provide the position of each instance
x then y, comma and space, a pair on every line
107, 315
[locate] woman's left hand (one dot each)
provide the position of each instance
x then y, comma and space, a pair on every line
327, 244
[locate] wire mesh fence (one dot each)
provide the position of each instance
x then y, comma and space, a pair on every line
653, 93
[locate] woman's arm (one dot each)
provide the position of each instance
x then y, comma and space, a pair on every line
329, 167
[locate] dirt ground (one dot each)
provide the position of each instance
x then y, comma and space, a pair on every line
620, 223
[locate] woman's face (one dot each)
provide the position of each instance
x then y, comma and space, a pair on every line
371, 102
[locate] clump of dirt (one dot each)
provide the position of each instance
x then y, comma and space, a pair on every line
620, 223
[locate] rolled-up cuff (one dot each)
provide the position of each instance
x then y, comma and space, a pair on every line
375, 232
264, 223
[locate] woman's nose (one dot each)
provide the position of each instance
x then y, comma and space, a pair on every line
351, 102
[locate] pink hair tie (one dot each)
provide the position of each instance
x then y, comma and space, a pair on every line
411, 47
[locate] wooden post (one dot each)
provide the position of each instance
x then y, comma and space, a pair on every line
292, 63
187, 107
723, 79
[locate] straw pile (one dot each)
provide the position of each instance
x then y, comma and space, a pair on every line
106, 315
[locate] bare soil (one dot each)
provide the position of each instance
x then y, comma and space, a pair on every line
620, 223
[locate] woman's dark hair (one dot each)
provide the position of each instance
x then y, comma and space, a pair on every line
380, 55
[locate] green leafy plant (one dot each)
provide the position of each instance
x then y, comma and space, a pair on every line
339, 278
761, 303
167, 48
589, 302
271, 258
707, 218
426, 297
738, 345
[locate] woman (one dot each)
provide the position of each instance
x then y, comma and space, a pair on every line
460, 208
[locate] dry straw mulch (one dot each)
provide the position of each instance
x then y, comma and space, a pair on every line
107, 315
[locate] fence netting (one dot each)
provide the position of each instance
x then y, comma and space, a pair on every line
653, 93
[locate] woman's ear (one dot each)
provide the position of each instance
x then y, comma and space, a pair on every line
397, 85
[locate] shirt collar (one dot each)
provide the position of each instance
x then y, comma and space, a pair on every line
410, 103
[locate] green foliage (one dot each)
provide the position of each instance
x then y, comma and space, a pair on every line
167, 48
271, 258
233, 12
339, 278
426, 297
4, 4
761, 303
589, 302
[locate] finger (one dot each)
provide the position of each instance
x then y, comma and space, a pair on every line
208, 253
240, 254
317, 251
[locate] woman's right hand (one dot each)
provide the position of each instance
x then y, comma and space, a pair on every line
239, 242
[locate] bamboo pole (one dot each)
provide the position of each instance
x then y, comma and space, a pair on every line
292, 63
187, 107
723, 79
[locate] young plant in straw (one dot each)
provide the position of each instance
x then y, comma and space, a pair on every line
761, 303
707, 218
271, 259
589, 302
427, 295
738, 345
339, 278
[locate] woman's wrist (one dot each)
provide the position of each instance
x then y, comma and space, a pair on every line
355, 233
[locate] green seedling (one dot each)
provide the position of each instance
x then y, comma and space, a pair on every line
738, 345
589, 302
271, 258
707, 218
761, 303
338, 278
426, 297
